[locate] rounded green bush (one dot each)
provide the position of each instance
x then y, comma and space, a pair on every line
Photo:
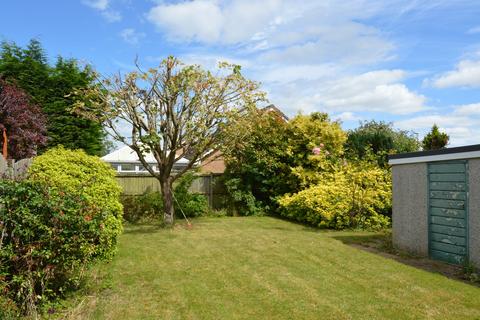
353, 197
75, 173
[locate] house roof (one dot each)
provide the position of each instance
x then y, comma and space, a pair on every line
274, 109
127, 155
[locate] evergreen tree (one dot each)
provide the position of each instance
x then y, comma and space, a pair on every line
50, 87
65, 127
435, 139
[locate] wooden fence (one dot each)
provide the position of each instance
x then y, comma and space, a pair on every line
210, 185
15, 170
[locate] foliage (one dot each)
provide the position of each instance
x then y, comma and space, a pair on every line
471, 272
48, 237
142, 208
435, 139
8, 308
275, 157
354, 196
149, 205
192, 205
172, 111
380, 138
81, 175
65, 127
50, 87
257, 168
23, 121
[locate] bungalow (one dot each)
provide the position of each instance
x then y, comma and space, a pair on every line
125, 160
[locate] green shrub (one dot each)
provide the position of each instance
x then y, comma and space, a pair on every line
355, 196
142, 208
192, 205
75, 173
8, 308
47, 238
149, 205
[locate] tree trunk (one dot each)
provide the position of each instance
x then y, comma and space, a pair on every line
167, 195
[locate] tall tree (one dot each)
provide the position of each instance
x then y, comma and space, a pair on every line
50, 87
64, 126
23, 122
435, 139
171, 112
381, 139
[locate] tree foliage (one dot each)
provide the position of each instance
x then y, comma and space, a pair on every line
275, 157
258, 167
380, 138
173, 111
435, 139
23, 121
50, 87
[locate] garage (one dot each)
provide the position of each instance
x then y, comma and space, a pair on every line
436, 203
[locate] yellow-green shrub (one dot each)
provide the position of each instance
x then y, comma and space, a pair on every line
75, 173
354, 196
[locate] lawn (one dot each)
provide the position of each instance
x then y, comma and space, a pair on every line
264, 268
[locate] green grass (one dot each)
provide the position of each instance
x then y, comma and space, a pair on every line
264, 268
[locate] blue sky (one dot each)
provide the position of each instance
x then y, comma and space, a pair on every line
410, 62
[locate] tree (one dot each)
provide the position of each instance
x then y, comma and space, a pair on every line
65, 127
50, 87
278, 157
381, 139
172, 112
22, 121
435, 139
258, 167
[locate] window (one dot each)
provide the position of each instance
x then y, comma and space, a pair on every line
127, 167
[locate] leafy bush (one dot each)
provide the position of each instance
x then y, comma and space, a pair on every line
379, 138
258, 169
192, 205
142, 208
75, 173
149, 206
355, 196
47, 238
262, 168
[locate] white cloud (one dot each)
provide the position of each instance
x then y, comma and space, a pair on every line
314, 31
103, 6
466, 74
377, 91
474, 30
97, 4
347, 116
191, 20
111, 15
468, 109
131, 36
461, 123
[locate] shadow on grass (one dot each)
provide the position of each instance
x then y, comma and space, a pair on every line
381, 244
143, 228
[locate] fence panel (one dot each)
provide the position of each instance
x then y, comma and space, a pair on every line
20, 168
15, 170
209, 185
3, 167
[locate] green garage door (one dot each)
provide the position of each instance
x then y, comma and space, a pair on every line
448, 211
